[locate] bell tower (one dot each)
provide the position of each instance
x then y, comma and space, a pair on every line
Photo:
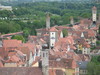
45, 59
94, 15
71, 20
47, 20
53, 36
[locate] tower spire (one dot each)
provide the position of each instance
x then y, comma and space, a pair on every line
47, 20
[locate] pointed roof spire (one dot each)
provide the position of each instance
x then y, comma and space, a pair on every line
94, 8
82, 35
68, 48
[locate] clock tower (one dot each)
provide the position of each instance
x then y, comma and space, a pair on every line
53, 36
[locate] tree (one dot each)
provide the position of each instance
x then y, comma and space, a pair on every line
65, 32
94, 66
18, 37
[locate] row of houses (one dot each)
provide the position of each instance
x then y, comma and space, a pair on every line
50, 52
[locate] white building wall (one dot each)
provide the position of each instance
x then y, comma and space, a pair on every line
52, 38
94, 16
86, 51
61, 35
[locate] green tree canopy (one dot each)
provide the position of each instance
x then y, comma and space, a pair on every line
65, 32
18, 37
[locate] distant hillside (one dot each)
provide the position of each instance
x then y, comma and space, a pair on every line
50, 0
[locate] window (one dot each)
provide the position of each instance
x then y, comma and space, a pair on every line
46, 54
52, 44
43, 54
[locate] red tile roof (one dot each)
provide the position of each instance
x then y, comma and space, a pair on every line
11, 34
53, 29
84, 57
94, 8
30, 46
52, 72
12, 43
1, 64
20, 71
3, 52
58, 62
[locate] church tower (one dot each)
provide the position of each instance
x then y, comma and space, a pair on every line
45, 59
71, 20
47, 20
53, 32
94, 15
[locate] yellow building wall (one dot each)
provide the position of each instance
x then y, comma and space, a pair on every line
10, 65
67, 71
70, 71
36, 65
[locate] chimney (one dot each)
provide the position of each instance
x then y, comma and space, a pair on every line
47, 20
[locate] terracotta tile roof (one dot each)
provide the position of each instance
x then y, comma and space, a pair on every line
84, 57
63, 43
31, 46
95, 28
53, 29
1, 64
76, 27
17, 58
86, 45
94, 8
25, 50
73, 55
91, 33
3, 52
11, 34
58, 62
86, 22
52, 72
62, 27
12, 43
20, 71
42, 31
